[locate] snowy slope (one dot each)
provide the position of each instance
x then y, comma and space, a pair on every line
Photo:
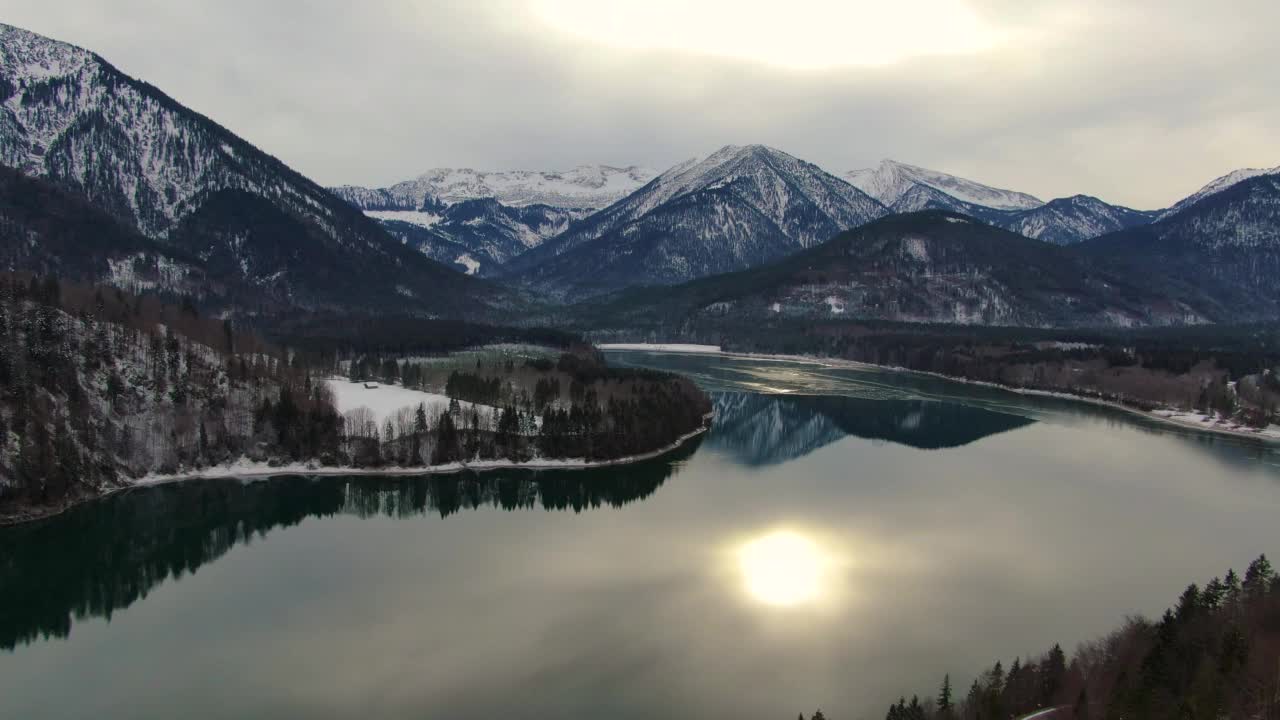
487, 232
1066, 221
586, 187
736, 208
1063, 221
1217, 186
891, 180
420, 218
69, 117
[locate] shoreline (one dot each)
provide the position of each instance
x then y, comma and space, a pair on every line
1269, 438
260, 472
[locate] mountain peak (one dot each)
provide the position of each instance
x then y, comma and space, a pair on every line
1218, 185
891, 180
735, 208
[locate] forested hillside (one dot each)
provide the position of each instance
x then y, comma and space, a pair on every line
1215, 654
101, 388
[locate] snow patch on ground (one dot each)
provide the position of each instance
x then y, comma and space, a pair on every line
412, 217
471, 264
916, 247
1210, 422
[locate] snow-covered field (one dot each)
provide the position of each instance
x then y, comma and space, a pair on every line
385, 400
662, 347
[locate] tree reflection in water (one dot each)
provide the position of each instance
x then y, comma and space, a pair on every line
106, 555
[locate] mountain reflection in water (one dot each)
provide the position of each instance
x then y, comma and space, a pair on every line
759, 430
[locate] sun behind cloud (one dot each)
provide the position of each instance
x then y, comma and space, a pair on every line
797, 34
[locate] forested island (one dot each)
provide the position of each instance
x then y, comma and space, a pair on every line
103, 388
1215, 654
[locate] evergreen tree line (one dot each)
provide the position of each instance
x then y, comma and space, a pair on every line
1214, 655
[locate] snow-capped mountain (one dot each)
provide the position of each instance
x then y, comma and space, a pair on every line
1225, 247
1063, 221
907, 188
891, 180
588, 187
1217, 186
477, 236
68, 116
737, 208
1066, 221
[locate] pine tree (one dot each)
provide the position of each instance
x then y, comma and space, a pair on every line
1231, 585
1189, 603
1211, 596
1258, 577
1055, 670
944, 697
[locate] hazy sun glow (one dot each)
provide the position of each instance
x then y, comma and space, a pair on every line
799, 34
783, 568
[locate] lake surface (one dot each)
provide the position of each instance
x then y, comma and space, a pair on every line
841, 537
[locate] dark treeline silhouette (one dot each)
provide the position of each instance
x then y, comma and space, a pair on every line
326, 335
1215, 654
102, 557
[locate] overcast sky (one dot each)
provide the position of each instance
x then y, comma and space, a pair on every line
1137, 102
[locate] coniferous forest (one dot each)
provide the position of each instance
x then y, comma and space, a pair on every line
101, 387
1214, 654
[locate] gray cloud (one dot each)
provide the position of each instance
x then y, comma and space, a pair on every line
1139, 103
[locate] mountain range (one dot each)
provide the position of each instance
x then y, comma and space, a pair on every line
108, 179
925, 267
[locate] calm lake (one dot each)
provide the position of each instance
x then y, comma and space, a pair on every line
841, 537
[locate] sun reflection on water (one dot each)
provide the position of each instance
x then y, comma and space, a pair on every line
785, 568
